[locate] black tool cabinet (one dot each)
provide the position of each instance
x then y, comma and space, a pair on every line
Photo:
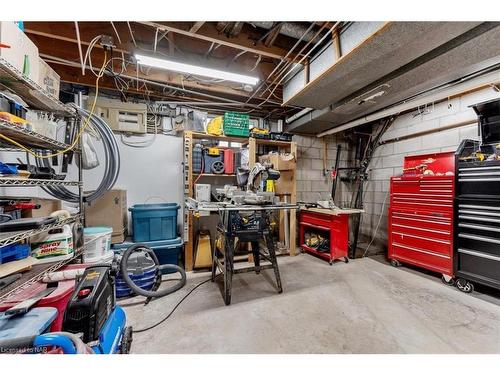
477, 204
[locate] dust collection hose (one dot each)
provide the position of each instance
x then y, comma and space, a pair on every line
150, 293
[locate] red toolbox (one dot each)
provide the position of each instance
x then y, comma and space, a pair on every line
58, 298
421, 213
336, 227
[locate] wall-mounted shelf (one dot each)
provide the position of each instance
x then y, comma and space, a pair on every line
221, 138
271, 142
30, 91
27, 138
8, 238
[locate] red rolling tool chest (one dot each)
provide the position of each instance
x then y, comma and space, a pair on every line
421, 213
335, 226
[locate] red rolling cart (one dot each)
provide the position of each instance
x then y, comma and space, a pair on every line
333, 222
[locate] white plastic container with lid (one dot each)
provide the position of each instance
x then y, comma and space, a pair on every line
97, 242
107, 257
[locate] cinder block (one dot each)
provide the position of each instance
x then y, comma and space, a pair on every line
375, 197
469, 132
423, 126
477, 97
409, 145
320, 186
462, 116
376, 162
383, 150
392, 161
317, 142
317, 164
381, 174
443, 109
303, 163
312, 175
310, 153
440, 139
303, 186
302, 140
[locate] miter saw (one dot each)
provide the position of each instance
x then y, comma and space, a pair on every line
253, 182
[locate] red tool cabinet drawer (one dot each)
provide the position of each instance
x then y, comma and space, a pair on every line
427, 193
422, 240
318, 219
425, 219
424, 258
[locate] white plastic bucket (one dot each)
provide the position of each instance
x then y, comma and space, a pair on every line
107, 257
97, 242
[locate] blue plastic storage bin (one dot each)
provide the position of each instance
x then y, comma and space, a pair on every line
10, 253
167, 251
154, 222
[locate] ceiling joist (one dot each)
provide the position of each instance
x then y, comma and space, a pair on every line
218, 40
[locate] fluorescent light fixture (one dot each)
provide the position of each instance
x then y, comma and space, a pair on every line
193, 69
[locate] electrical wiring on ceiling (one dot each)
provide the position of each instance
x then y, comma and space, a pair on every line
281, 62
282, 73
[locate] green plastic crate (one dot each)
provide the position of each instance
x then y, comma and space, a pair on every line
236, 124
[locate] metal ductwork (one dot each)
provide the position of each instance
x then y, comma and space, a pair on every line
292, 30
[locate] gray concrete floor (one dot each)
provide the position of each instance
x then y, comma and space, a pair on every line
366, 306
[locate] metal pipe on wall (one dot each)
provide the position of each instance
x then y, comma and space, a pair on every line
475, 84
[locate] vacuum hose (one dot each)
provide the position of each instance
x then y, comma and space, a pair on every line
150, 293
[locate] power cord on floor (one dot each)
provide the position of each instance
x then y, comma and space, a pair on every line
378, 224
175, 307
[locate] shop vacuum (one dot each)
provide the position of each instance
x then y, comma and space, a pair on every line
93, 322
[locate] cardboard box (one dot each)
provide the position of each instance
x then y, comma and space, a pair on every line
285, 184
48, 79
22, 54
47, 206
118, 237
110, 210
280, 162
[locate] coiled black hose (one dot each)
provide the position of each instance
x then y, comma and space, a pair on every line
150, 293
111, 162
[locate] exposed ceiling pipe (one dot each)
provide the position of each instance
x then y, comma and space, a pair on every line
289, 29
486, 80
299, 114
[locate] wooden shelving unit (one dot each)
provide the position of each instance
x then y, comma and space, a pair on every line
290, 196
190, 138
189, 177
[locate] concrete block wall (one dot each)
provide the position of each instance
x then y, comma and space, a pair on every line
312, 183
388, 158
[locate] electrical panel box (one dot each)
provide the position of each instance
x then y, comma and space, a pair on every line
121, 117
